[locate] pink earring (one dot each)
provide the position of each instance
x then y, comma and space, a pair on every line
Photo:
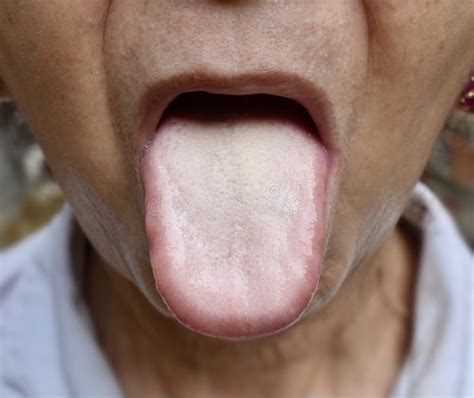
466, 102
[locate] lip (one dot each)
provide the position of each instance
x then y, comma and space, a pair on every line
303, 91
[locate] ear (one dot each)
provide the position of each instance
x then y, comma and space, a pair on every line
4, 93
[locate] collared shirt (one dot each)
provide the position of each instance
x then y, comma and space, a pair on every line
48, 347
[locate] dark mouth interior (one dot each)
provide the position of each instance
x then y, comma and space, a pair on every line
204, 106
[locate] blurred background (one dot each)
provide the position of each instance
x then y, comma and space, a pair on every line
29, 195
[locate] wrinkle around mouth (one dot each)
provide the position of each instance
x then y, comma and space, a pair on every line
104, 15
377, 60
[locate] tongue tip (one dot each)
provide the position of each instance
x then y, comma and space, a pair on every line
236, 329
227, 318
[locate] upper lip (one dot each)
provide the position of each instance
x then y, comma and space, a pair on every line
307, 93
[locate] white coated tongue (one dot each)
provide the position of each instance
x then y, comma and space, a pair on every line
234, 201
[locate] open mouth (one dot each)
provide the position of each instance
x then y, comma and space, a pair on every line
235, 190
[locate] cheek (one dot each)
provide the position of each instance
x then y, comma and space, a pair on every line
49, 50
67, 109
415, 73
419, 55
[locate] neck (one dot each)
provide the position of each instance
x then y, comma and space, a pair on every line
353, 346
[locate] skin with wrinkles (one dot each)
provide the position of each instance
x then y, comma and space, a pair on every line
392, 70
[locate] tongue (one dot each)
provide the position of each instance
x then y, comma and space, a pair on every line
234, 199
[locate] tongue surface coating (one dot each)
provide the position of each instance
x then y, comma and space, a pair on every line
234, 199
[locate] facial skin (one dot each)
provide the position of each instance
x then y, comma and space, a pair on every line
79, 70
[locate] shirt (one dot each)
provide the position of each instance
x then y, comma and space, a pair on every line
48, 346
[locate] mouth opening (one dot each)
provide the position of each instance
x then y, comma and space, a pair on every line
206, 106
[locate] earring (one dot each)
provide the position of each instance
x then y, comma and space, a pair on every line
466, 102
